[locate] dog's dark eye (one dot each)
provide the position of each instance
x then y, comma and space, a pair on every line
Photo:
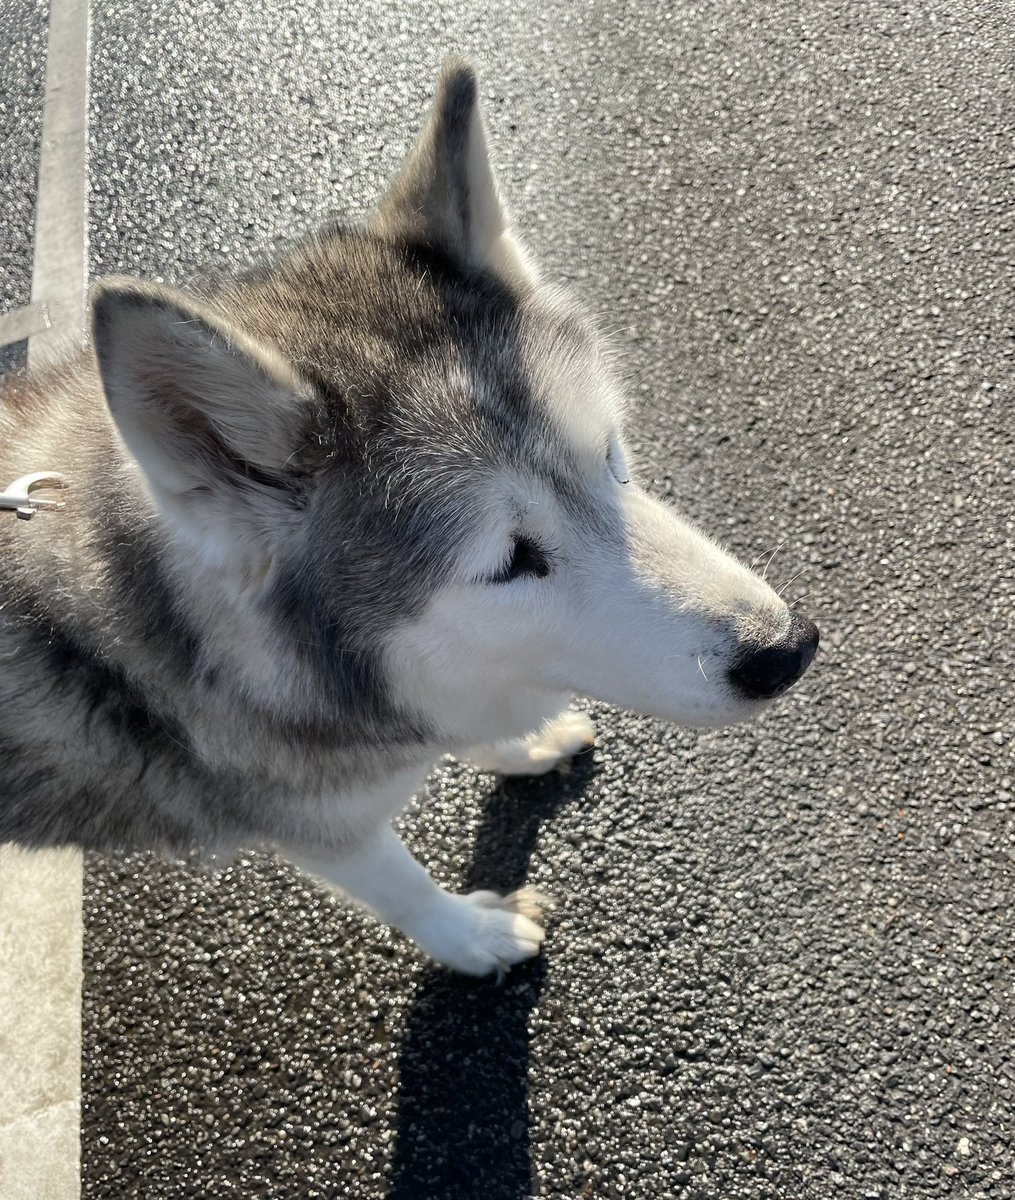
527, 558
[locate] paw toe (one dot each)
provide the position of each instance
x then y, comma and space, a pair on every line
528, 902
509, 931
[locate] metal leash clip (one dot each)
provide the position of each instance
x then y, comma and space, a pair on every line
19, 496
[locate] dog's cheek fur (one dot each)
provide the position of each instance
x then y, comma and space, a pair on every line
475, 683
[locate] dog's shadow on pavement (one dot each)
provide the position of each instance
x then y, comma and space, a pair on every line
463, 1115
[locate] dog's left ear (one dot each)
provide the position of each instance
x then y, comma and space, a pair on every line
445, 194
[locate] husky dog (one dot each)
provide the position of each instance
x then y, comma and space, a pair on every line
355, 509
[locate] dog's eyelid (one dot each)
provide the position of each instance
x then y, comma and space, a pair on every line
528, 557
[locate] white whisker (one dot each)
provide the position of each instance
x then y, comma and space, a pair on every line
765, 553
764, 574
790, 580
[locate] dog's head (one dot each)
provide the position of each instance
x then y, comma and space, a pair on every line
401, 455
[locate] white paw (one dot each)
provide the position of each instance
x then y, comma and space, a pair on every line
483, 932
557, 742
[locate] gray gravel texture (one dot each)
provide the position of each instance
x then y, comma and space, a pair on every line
22, 86
781, 964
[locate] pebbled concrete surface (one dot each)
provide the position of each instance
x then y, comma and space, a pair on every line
22, 87
781, 965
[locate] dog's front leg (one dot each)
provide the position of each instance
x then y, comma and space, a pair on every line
476, 934
555, 742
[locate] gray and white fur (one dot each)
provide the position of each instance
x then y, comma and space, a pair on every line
336, 517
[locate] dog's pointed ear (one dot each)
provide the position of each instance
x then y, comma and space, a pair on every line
445, 193
215, 421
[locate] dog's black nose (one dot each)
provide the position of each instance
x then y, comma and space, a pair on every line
771, 670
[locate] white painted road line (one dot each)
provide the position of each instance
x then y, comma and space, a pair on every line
40, 1024
60, 270
23, 323
40, 892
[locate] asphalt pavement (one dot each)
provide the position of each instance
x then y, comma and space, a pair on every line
22, 80
780, 967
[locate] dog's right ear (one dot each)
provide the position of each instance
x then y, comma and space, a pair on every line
215, 421
445, 194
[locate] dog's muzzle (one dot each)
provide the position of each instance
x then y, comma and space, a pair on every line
767, 671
